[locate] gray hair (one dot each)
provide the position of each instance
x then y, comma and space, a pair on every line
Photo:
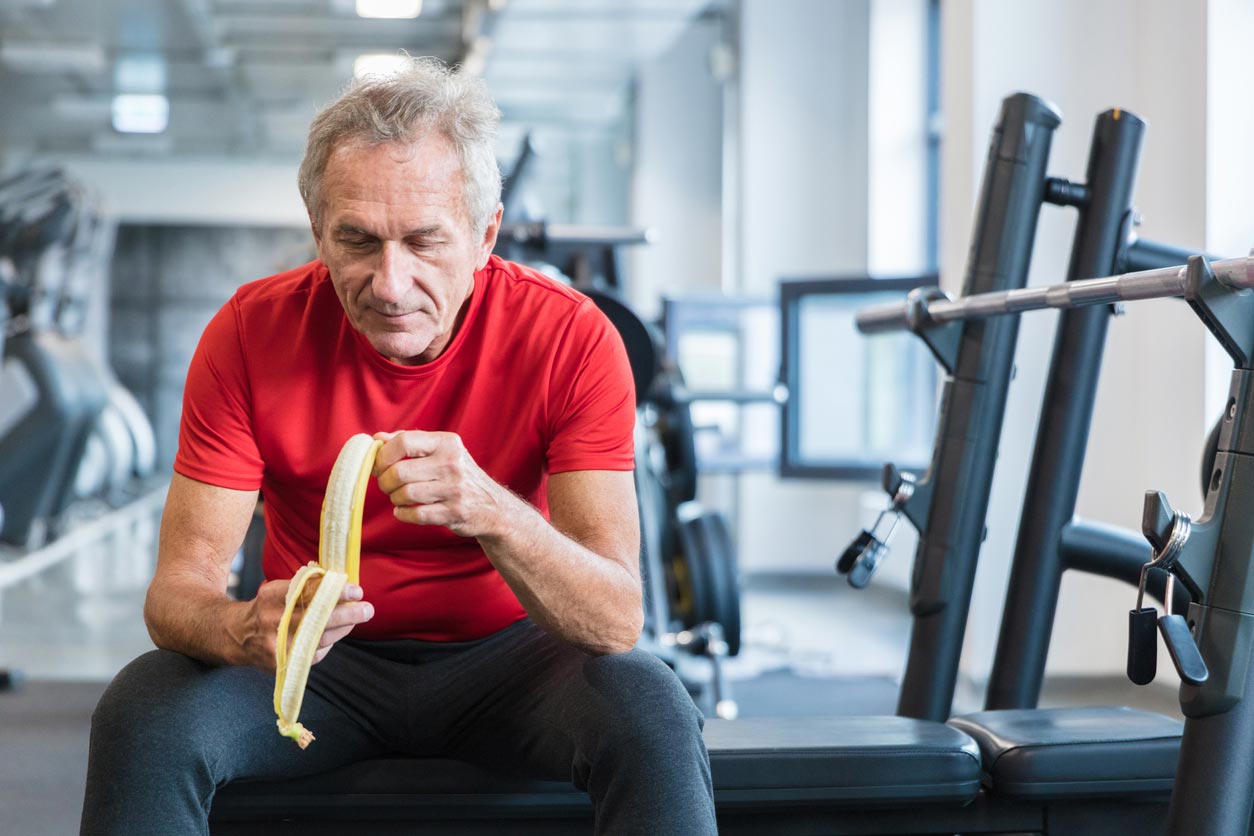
424, 95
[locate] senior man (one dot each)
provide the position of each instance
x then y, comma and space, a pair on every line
500, 596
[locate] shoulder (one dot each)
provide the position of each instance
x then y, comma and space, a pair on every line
288, 302
534, 298
518, 283
297, 284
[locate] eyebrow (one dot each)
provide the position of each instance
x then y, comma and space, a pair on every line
420, 232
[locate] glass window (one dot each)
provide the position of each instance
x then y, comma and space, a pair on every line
854, 402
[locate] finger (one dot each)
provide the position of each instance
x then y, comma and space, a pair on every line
273, 589
330, 637
352, 592
426, 469
435, 514
406, 445
349, 614
420, 493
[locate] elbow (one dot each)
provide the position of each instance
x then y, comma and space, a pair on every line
150, 618
153, 621
624, 636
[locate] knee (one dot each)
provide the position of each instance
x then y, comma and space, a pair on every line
150, 706
645, 701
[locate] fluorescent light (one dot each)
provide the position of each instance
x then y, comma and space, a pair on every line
139, 73
140, 113
389, 8
378, 63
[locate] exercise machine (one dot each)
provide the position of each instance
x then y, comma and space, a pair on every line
978, 359
688, 558
1213, 788
68, 430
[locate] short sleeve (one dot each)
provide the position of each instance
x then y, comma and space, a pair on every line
216, 441
592, 398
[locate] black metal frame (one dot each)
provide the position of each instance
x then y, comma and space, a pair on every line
1053, 481
792, 292
1214, 788
949, 503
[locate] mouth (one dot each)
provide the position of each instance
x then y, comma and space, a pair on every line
395, 317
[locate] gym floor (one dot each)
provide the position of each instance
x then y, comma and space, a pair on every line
812, 646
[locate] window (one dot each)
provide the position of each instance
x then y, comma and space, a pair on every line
853, 402
727, 349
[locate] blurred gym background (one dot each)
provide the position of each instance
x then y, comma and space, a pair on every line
682, 156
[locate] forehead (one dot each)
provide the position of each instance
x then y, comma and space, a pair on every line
423, 174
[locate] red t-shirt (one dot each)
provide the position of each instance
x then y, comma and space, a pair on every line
535, 381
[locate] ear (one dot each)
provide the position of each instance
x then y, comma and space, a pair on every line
488, 243
317, 236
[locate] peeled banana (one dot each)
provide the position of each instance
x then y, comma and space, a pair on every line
339, 561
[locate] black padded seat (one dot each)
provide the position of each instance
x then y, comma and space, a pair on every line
396, 788
840, 759
755, 762
1058, 753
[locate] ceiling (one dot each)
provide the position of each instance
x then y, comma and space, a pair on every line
244, 77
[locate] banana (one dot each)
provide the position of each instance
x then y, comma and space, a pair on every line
339, 562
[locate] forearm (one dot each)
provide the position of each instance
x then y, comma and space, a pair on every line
189, 616
571, 591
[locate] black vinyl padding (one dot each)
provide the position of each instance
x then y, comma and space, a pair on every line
755, 762
398, 788
845, 759
1060, 753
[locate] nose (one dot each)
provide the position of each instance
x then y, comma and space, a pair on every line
391, 278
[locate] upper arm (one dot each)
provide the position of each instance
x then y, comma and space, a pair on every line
202, 528
216, 441
591, 398
597, 509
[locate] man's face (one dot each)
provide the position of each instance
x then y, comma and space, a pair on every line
398, 242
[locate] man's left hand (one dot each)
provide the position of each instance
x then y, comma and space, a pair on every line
432, 480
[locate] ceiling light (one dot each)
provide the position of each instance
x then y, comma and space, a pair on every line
378, 63
139, 73
140, 113
389, 8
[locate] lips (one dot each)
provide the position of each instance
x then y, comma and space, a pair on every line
398, 317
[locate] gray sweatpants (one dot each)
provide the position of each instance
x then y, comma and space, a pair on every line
170, 730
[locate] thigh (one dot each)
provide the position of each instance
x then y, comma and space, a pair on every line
538, 706
165, 709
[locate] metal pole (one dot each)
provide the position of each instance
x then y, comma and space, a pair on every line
541, 234
1066, 415
1166, 282
950, 503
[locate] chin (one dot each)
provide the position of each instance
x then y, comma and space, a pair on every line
398, 348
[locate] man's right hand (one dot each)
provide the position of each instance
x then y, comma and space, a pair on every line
261, 627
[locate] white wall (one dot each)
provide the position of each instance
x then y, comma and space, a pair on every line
803, 176
677, 187
1115, 56
804, 70
211, 191
897, 129
1230, 165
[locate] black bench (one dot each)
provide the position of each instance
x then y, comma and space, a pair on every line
766, 771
